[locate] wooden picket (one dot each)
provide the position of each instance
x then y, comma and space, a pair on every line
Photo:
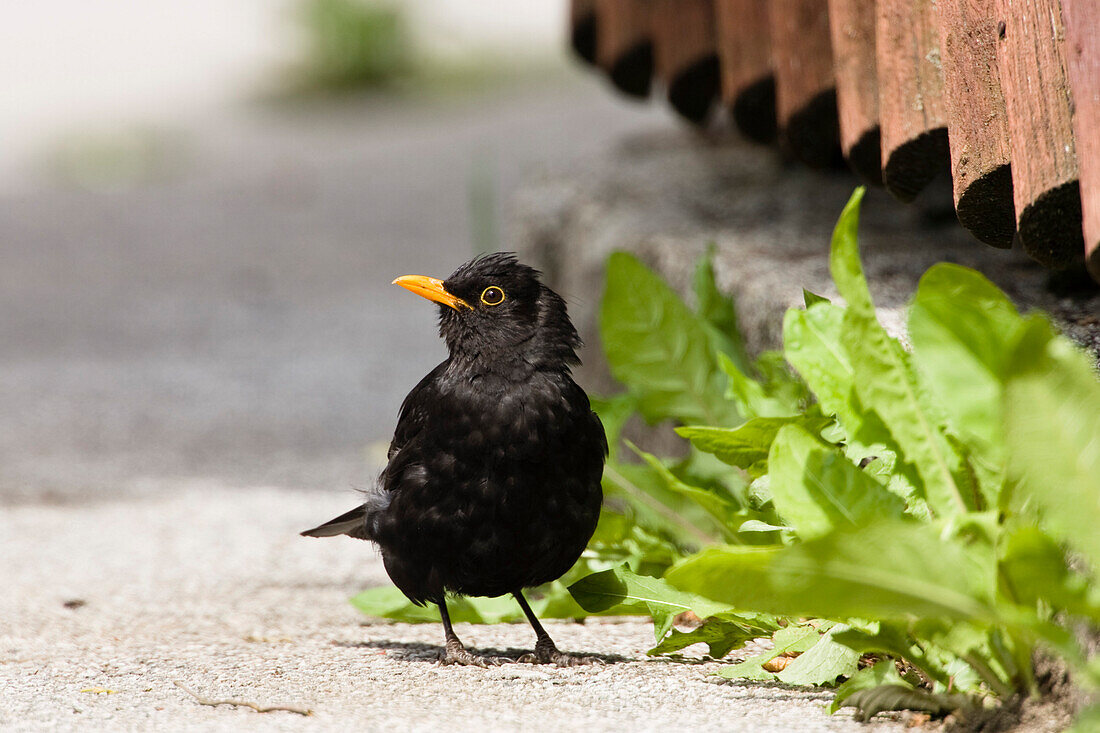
1003, 94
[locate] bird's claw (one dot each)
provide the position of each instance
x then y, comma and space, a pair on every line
549, 654
458, 654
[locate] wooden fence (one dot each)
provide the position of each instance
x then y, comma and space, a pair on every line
1004, 94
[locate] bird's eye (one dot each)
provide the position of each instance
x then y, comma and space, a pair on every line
492, 295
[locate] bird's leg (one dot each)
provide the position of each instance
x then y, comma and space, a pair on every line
454, 652
545, 650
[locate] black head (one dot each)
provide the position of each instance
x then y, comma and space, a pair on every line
495, 310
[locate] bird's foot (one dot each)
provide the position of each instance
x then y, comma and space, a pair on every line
455, 653
546, 653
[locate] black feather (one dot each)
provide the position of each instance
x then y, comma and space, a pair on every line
493, 478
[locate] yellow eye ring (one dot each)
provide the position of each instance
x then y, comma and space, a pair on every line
492, 295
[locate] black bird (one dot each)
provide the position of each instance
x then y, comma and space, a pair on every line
493, 479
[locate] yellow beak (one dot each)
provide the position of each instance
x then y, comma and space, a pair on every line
430, 288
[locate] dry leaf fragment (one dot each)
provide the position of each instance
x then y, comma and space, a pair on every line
687, 619
917, 720
779, 663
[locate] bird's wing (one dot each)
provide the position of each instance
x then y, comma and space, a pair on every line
413, 415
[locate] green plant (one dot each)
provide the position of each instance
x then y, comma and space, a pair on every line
355, 43
902, 520
919, 504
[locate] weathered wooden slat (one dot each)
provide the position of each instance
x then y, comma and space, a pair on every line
981, 159
805, 90
582, 29
911, 107
852, 23
624, 46
1082, 19
686, 55
1037, 101
745, 53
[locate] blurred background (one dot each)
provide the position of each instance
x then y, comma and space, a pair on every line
202, 206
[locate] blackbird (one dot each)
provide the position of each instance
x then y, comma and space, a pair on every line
493, 478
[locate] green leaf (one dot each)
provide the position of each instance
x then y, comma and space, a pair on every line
1088, 720
816, 489
618, 539
812, 344
614, 412
883, 672
749, 394
823, 663
878, 637
747, 447
721, 633
642, 493
885, 382
389, 602
748, 669
1034, 568
717, 310
963, 328
870, 702
660, 349
755, 525
889, 570
894, 638
621, 590
1052, 415
811, 298
844, 256
718, 507
789, 639
782, 385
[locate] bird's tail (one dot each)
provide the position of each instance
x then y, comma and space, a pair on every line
358, 523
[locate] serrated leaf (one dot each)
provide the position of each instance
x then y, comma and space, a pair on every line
893, 637
816, 489
891, 569
823, 663
886, 384
883, 672
721, 633
659, 348
621, 589
1052, 415
870, 702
